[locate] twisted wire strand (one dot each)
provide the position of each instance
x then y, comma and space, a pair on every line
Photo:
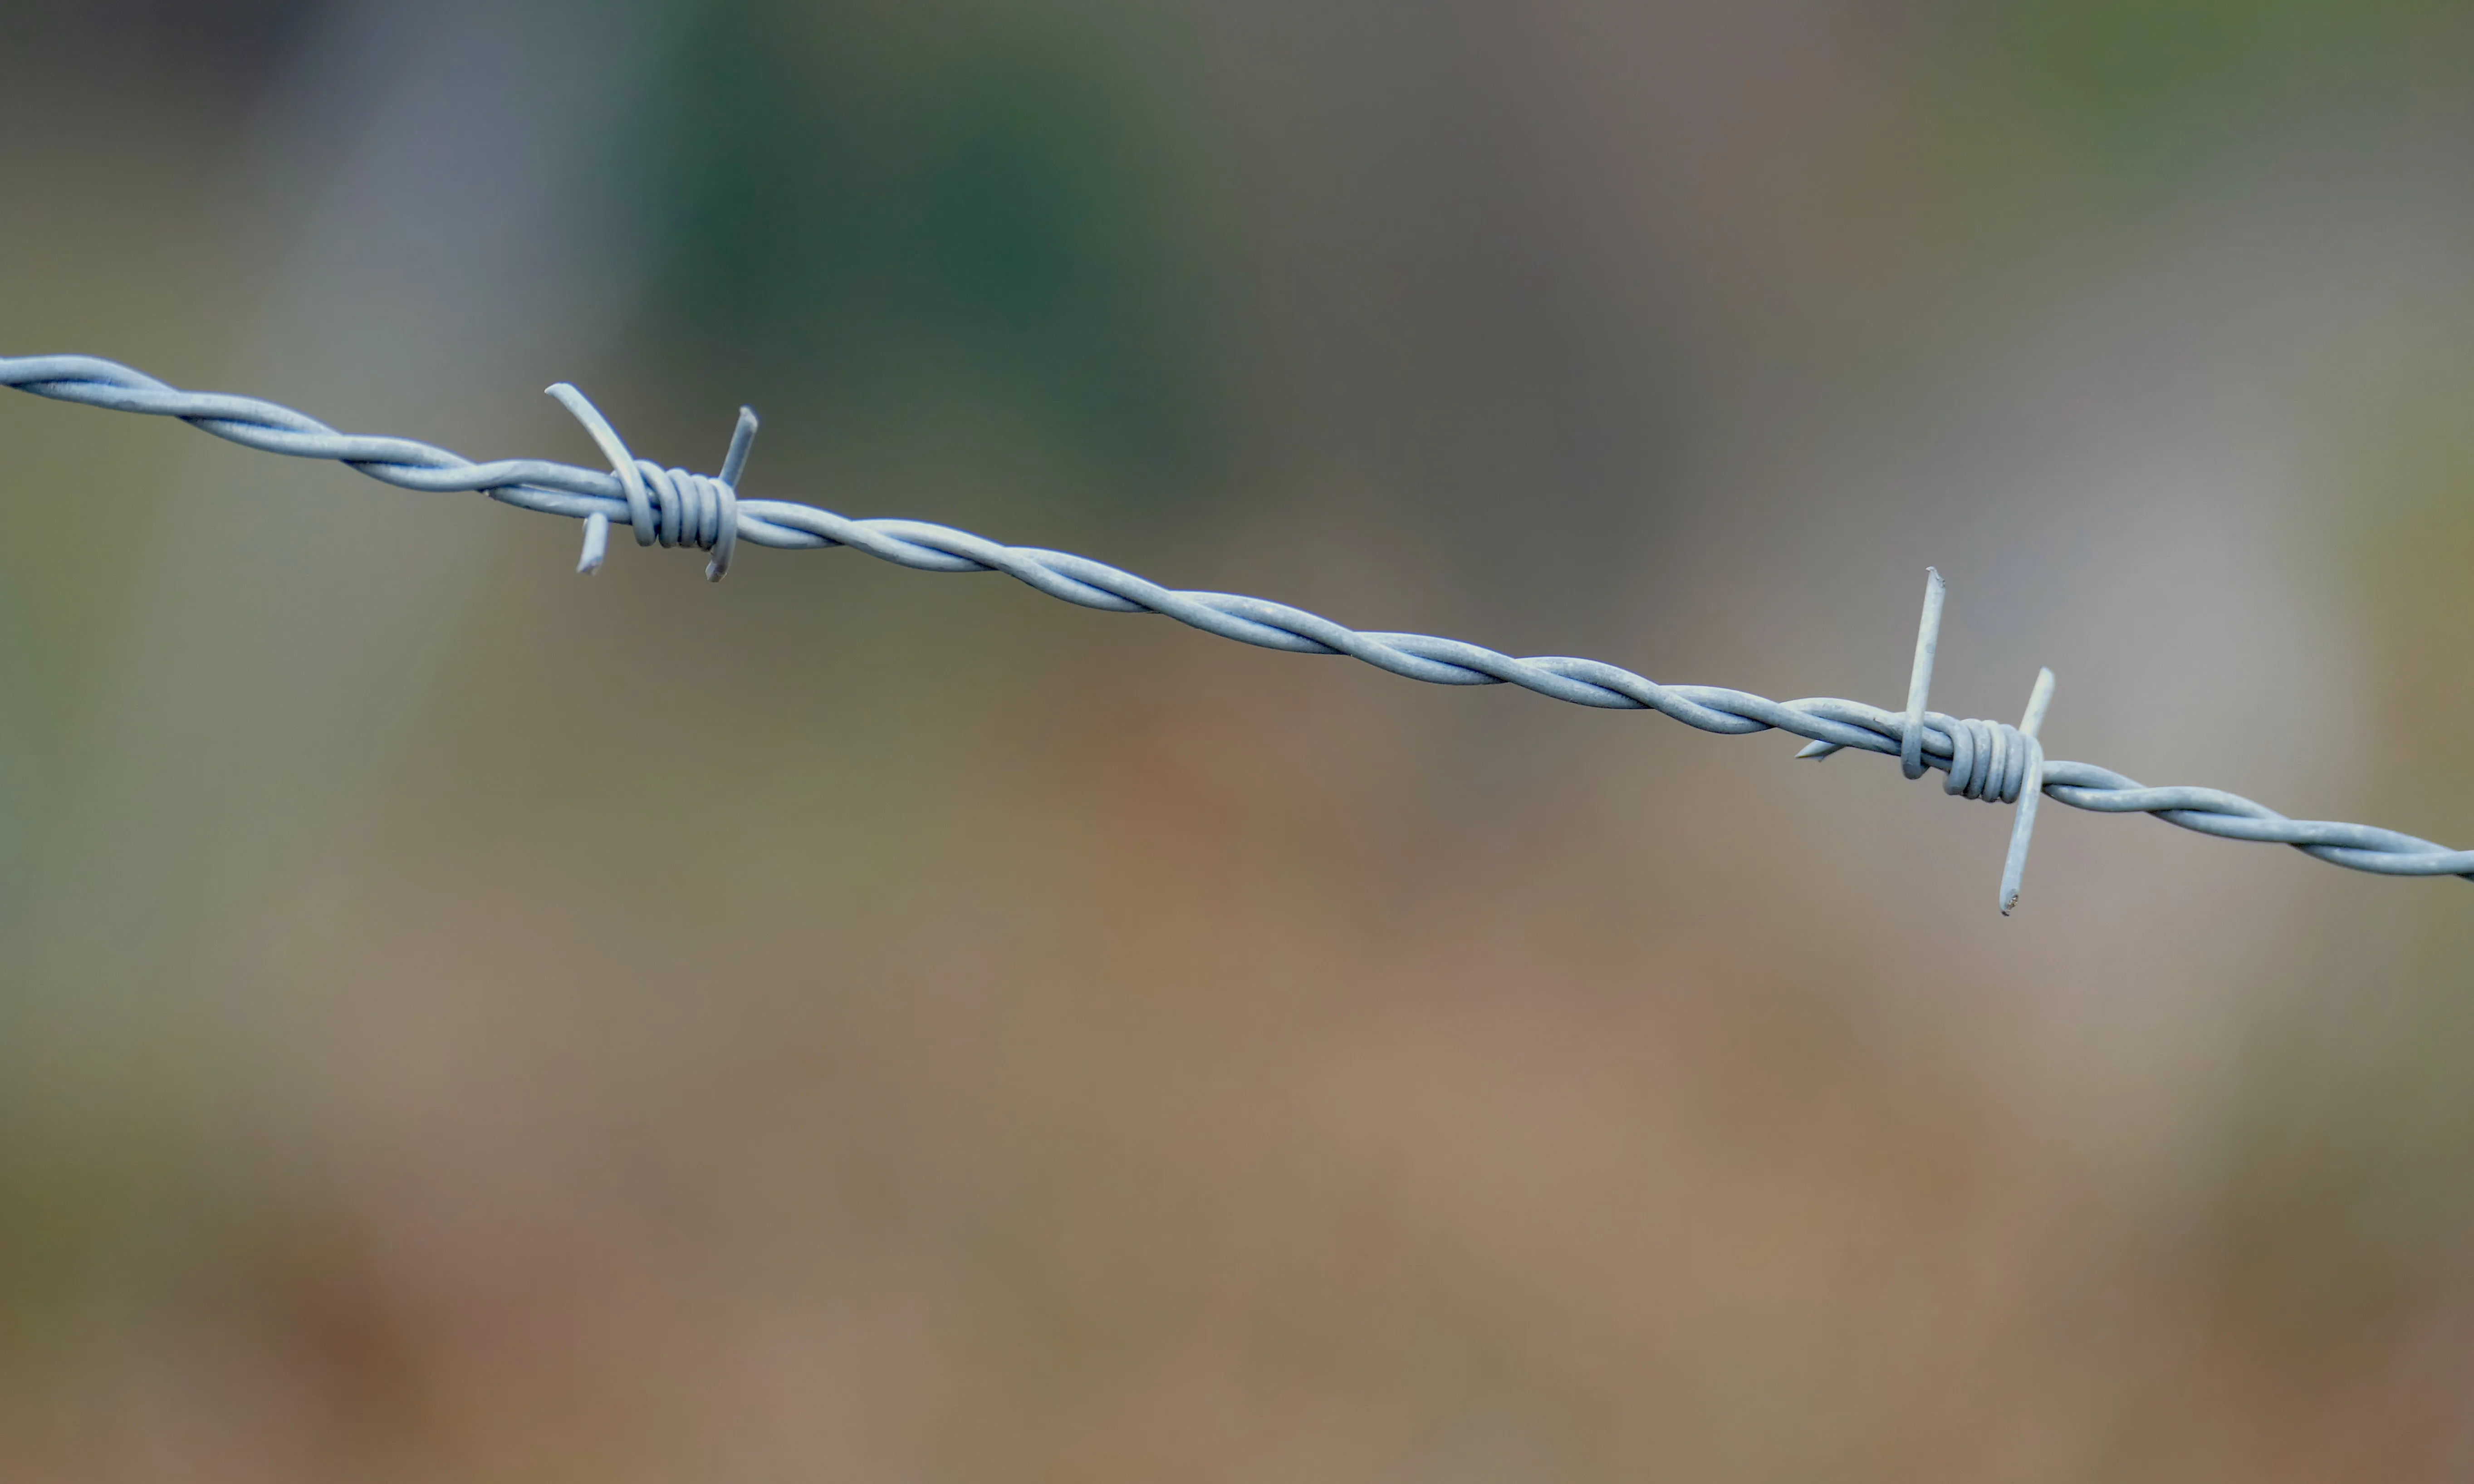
1985, 759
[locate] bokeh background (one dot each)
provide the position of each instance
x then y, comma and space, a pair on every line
462, 1022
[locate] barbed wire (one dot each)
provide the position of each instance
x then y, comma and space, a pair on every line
1992, 761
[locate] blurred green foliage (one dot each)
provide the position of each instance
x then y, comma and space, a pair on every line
880, 210
2136, 78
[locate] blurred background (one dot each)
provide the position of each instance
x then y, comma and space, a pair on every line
462, 1022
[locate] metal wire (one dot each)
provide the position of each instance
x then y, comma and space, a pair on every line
1985, 759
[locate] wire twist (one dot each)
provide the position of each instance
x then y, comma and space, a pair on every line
1985, 759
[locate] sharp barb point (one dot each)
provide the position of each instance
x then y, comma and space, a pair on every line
743, 440
596, 544
1911, 741
2040, 700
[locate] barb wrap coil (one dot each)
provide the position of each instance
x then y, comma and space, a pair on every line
1988, 759
683, 509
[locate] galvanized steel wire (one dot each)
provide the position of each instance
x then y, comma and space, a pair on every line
1983, 760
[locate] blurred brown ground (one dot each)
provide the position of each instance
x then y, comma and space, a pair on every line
465, 1023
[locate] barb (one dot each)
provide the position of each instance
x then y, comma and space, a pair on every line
1985, 759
